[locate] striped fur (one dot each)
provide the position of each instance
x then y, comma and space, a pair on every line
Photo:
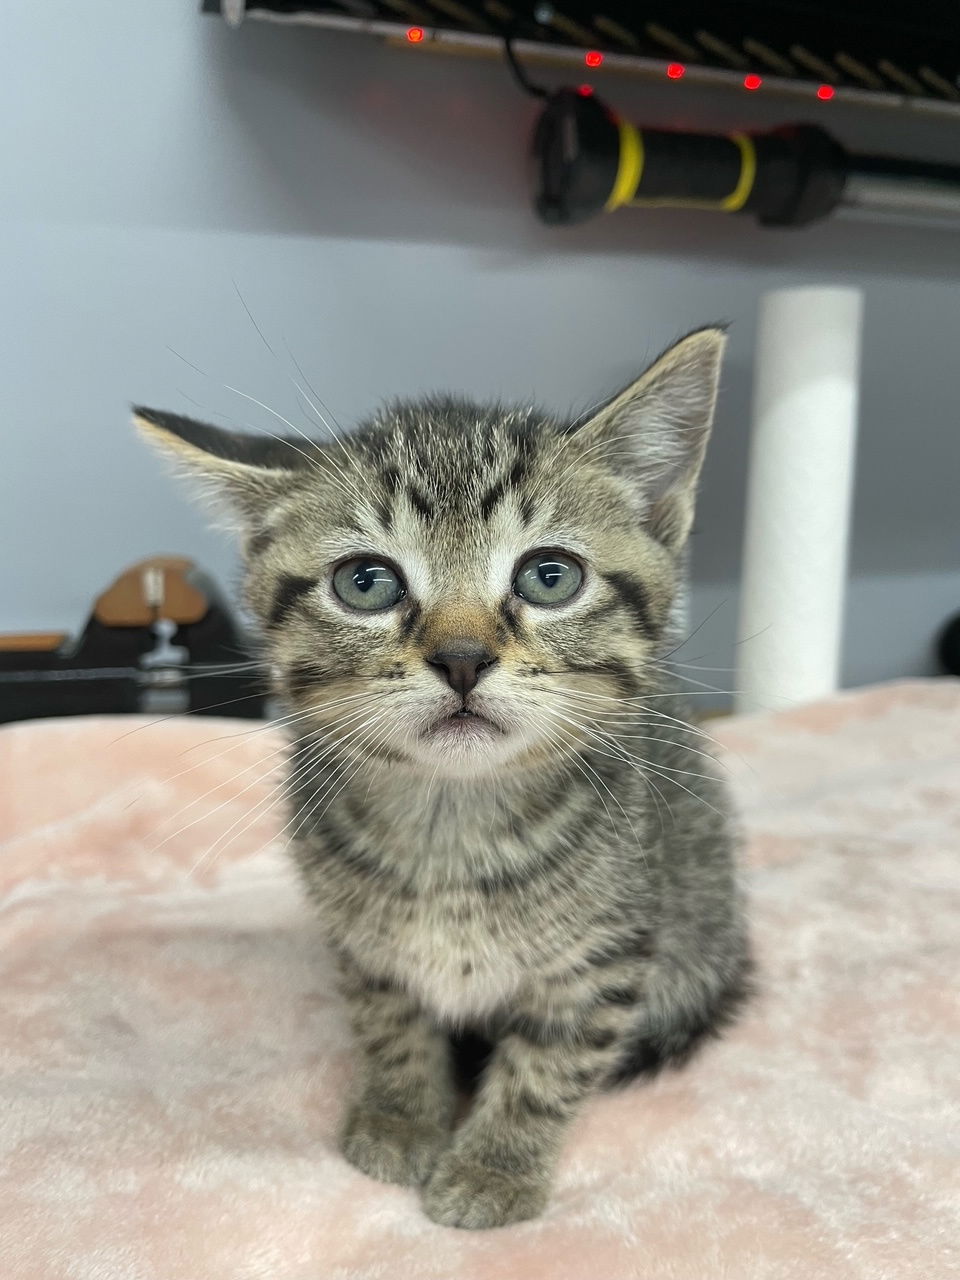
549, 886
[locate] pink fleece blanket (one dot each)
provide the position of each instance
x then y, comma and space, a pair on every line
174, 1059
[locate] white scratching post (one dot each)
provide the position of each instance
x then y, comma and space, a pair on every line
806, 378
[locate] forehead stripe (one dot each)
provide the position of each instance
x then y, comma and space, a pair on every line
421, 503
491, 499
518, 473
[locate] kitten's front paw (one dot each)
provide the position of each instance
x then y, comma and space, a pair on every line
461, 1193
391, 1148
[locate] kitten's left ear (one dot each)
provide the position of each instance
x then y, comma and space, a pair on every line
656, 431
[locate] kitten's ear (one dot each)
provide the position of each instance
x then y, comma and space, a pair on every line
243, 475
656, 432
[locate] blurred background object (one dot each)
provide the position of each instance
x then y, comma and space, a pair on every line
159, 639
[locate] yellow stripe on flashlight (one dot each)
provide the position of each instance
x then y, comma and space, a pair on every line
629, 169
740, 194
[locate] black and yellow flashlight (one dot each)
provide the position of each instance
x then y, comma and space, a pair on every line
590, 161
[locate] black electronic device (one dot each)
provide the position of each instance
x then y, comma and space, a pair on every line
948, 646
160, 638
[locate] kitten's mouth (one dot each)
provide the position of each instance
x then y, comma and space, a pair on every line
463, 725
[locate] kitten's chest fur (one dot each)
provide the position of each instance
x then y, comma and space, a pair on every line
465, 896
444, 950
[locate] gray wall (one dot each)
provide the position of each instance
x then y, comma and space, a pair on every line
372, 206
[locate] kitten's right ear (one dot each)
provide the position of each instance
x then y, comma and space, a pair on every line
244, 475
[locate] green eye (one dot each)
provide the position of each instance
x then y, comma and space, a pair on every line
368, 584
549, 577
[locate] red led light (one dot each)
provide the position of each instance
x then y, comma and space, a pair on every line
593, 58
826, 92
415, 34
752, 81
585, 91
675, 70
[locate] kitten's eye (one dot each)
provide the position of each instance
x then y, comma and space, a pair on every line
548, 578
368, 584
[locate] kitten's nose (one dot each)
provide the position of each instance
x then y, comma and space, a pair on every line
462, 669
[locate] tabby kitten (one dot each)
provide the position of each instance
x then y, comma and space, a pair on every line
504, 819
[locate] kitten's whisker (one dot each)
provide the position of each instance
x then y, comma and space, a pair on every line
641, 697
599, 444
599, 779
652, 787
214, 668
291, 356
624, 756
277, 722
303, 775
319, 461
316, 460
336, 436
208, 813
694, 665
627, 720
680, 746
624, 710
279, 792
430, 784
178, 715
712, 688
370, 739
696, 631
244, 736
574, 757
309, 815
620, 738
313, 756
644, 763
247, 818
335, 752
666, 774
313, 462
642, 701
632, 714
283, 748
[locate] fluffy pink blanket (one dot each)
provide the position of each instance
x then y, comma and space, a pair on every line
174, 1059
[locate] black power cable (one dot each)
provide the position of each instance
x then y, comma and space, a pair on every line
521, 77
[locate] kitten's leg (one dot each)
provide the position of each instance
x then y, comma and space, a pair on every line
404, 1098
500, 1166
